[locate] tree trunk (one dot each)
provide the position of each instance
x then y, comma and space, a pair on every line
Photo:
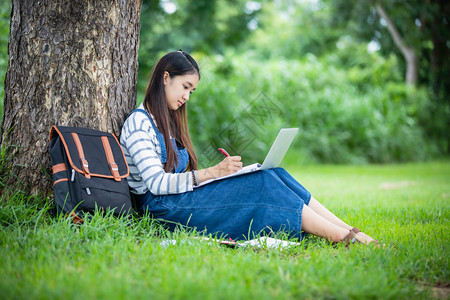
71, 63
440, 52
408, 53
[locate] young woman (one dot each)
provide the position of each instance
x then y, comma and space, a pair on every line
163, 173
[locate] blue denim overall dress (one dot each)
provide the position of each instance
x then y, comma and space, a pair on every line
240, 207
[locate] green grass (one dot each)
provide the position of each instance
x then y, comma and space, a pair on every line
406, 205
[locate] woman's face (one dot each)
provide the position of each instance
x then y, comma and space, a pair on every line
179, 88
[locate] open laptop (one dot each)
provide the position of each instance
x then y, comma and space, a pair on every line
273, 159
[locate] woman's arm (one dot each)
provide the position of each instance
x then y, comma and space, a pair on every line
141, 148
142, 151
229, 165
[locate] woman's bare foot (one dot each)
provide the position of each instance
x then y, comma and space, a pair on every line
365, 239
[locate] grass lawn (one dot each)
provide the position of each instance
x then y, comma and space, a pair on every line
404, 205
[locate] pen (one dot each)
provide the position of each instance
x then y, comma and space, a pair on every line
223, 152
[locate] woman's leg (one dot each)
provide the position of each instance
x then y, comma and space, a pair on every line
329, 216
326, 214
315, 224
313, 204
320, 221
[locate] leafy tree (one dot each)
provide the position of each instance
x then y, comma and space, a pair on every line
421, 26
202, 26
291, 29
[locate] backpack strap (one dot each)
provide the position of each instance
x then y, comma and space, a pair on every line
110, 157
74, 217
59, 168
83, 160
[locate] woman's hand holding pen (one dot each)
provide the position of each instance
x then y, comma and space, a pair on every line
228, 166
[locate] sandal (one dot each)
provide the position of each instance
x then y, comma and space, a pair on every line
355, 230
350, 238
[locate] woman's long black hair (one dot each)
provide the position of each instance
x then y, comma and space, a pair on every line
171, 122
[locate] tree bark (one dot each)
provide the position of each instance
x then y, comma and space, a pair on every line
408, 53
71, 63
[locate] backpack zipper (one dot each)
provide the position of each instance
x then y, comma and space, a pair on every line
72, 178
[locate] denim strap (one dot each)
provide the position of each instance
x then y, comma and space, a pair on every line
159, 136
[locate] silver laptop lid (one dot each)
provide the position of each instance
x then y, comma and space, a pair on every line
279, 148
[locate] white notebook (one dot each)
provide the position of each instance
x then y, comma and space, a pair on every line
273, 159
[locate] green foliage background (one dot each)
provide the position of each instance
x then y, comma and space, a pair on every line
342, 118
267, 65
5, 8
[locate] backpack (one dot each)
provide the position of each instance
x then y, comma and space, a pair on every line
89, 172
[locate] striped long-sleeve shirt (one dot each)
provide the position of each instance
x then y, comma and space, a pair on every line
143, 153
